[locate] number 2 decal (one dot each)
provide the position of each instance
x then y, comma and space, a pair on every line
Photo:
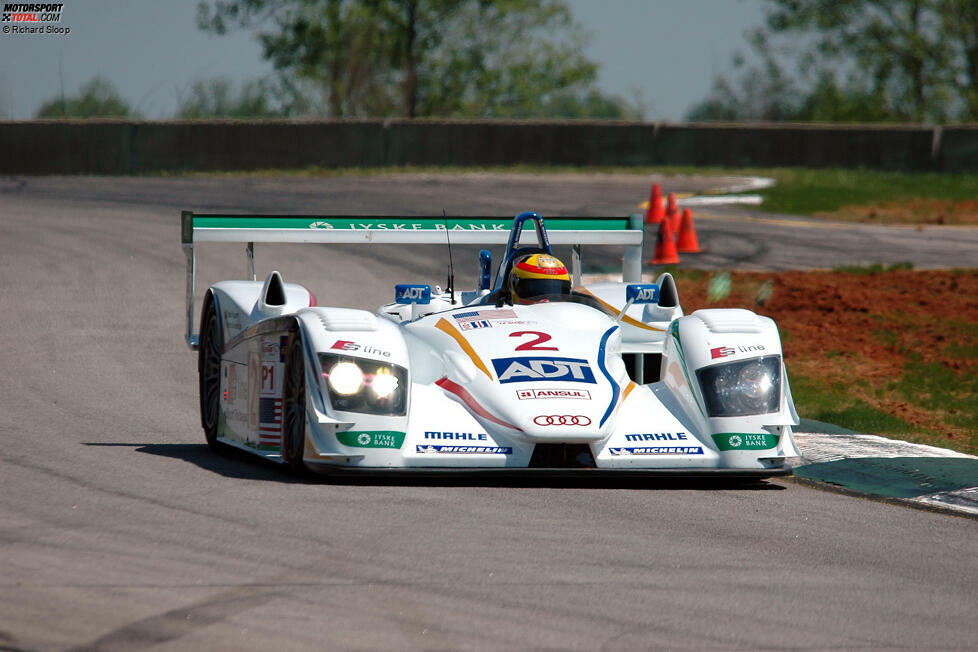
534, 345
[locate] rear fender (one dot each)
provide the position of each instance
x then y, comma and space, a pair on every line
209, 298
244, 303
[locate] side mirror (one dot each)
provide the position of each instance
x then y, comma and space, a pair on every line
642, 293
405, 293
485, 269
639, 293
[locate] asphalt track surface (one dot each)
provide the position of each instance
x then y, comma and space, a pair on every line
119, 530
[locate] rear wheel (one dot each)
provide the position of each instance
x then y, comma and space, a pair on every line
209, 372
294, 404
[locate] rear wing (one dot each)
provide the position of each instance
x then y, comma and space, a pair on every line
351, 229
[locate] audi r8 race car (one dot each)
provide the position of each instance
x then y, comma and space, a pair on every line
531, 370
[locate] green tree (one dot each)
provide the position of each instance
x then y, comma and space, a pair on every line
829, 101
593, 104
761, 91
215, 98
863, 60
97, 98
959, 23
340, 48
436, 58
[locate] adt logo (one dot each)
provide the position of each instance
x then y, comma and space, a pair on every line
523, 370
404, 293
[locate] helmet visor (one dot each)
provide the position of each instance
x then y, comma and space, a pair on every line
534, 287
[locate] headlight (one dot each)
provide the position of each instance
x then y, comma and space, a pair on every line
344, 378
363, 385
742, 388
384, 383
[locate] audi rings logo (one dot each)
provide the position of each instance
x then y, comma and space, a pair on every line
562, 420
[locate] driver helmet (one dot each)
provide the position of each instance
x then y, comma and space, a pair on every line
537, 274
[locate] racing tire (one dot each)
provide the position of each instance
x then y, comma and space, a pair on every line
209, 373
294, 405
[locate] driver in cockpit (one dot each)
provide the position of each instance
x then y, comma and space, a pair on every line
536, 278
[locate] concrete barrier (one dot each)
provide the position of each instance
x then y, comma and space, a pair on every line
422, 142
793, 145
227, 145
138, 147
64, 148
957, 148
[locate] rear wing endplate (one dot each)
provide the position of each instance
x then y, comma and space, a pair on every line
321, 229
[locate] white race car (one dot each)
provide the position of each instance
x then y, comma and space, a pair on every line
607, 377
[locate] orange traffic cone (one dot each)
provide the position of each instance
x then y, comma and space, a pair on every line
687, 242
672, 212
665, 246
655, 212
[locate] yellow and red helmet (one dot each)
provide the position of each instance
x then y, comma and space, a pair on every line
534, 275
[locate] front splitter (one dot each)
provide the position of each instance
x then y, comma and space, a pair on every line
573, 473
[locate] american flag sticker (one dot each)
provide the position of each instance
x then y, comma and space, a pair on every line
270, 422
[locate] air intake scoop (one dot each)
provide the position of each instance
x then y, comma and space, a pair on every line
272, 300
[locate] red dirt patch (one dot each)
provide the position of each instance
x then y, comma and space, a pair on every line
843, 327
912, 211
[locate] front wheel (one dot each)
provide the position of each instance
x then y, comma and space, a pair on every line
294, 404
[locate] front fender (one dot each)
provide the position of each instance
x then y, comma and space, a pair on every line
715, 337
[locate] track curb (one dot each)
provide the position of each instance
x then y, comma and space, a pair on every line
887, 470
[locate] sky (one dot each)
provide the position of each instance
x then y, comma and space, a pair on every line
666, 52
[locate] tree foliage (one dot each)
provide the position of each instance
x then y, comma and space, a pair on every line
436, 58
97, 98
856, 60
216, 98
